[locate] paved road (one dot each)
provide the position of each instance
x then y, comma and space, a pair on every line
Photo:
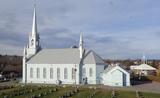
151, 87
147, 87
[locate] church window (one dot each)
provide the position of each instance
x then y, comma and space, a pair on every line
84, 72
32, 42
58, 73
73, 73
90, 72
44, 72
51, 73
31, 72
65, 73
38, 73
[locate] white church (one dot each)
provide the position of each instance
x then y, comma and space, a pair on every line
60, 66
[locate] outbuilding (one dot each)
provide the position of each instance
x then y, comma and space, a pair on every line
114, 75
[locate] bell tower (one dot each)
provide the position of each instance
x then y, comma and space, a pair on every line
34, 45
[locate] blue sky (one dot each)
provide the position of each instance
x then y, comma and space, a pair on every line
116, 29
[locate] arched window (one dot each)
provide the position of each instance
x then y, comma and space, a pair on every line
90, 72
32, 42
51, 73
84, 72
44, 73
65, 73
73, 73
31, 72
58, 73
38, 73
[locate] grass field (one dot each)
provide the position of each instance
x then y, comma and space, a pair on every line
69, 92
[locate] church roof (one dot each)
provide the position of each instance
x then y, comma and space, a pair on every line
64, 56
91, 57
110, 68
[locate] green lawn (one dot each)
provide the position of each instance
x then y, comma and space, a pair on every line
150, 95
84, 92
103, 94
126, 94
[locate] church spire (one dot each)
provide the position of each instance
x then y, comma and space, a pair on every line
81, 45
34, 45
34, 24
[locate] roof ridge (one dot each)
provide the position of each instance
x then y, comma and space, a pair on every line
97, 56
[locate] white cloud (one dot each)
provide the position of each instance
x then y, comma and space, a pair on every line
114, 28
10, 49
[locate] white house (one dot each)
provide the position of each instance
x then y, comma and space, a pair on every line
114, 75
66, 66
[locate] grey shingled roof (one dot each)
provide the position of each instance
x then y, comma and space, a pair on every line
91, 57
64, 56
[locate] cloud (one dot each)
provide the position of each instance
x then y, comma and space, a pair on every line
128, 44
58, 38
113, 28
8, 32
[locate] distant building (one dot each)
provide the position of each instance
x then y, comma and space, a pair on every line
143, 69
115, 75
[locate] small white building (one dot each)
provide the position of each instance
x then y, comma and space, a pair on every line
142, 69
114, 75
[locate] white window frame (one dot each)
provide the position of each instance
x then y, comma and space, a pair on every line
44, 73
51, 73
90, 72
58, 73
65, 73
31, 72
38, 72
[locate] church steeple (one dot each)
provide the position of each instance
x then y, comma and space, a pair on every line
34, 37
81, 45
33, 46
34, 24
